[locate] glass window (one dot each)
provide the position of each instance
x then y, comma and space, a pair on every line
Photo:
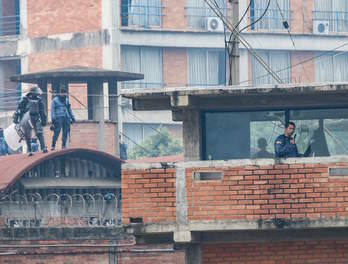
331, 67
241, 135
143, 60
272, 20
198, 11
325, 130
206, 67
333, 11
141, 13
279, 61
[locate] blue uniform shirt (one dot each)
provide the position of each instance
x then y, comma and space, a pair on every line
284, 149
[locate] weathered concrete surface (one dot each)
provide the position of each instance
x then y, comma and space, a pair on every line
70, 41
237, 163
240, 97
58, 233
8, 47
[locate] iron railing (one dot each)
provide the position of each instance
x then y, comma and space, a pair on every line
272, 20
9, 25
197, 16
141, 16
338, 21
85, 209
141, 84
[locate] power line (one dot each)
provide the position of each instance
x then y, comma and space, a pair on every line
246, 44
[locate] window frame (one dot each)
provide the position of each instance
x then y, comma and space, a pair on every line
286, 110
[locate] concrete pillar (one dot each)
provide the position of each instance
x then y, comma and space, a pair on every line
91, 100
99, 114
192, 131
114, 112
193, 254
43, 86
55, 87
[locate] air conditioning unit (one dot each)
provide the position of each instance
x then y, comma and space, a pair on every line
321, 27
214, 24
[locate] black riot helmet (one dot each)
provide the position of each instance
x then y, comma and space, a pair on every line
35, 91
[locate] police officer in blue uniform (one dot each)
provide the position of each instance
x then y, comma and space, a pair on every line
285, 145
62, 116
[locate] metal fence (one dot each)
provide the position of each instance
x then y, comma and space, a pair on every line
34, 210
338, 21
197, 16
9, 25
272, 20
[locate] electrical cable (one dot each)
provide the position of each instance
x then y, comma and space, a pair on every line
244, 42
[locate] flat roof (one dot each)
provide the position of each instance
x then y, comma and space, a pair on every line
77, 73
226, 97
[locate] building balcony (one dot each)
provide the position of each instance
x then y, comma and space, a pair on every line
198, 18
337, 21
271, 22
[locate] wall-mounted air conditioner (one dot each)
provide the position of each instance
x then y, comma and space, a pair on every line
214, 24
321, 27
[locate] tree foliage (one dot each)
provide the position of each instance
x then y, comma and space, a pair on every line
159, 144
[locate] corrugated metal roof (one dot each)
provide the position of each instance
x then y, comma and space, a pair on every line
15, 166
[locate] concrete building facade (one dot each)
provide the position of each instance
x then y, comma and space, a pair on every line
171, 43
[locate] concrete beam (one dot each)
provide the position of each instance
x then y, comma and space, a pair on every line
181, 101
151, 104
258, 40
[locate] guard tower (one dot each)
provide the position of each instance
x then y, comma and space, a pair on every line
95, 79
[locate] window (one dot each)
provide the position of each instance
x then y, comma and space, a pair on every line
279, 61
272, 20
331, 67
241, 135
138, 132
10, 92
333, 11
326, 130
198, 11
9, 17
206, 67
143, 60
143, 13
244, 135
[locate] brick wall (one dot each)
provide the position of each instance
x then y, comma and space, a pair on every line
49, 17
148, 194
84, 135
302, 16
89, 57
294, 191
277, 253
174, 14
175, 69
93, 255
302, 73
266, 192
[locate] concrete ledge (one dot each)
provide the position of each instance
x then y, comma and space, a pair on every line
237, 163
56, 233
241, 225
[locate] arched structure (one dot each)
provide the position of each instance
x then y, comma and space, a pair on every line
71, 187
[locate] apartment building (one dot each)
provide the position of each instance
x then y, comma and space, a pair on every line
174, 43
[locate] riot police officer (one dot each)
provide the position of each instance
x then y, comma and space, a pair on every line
30, 114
